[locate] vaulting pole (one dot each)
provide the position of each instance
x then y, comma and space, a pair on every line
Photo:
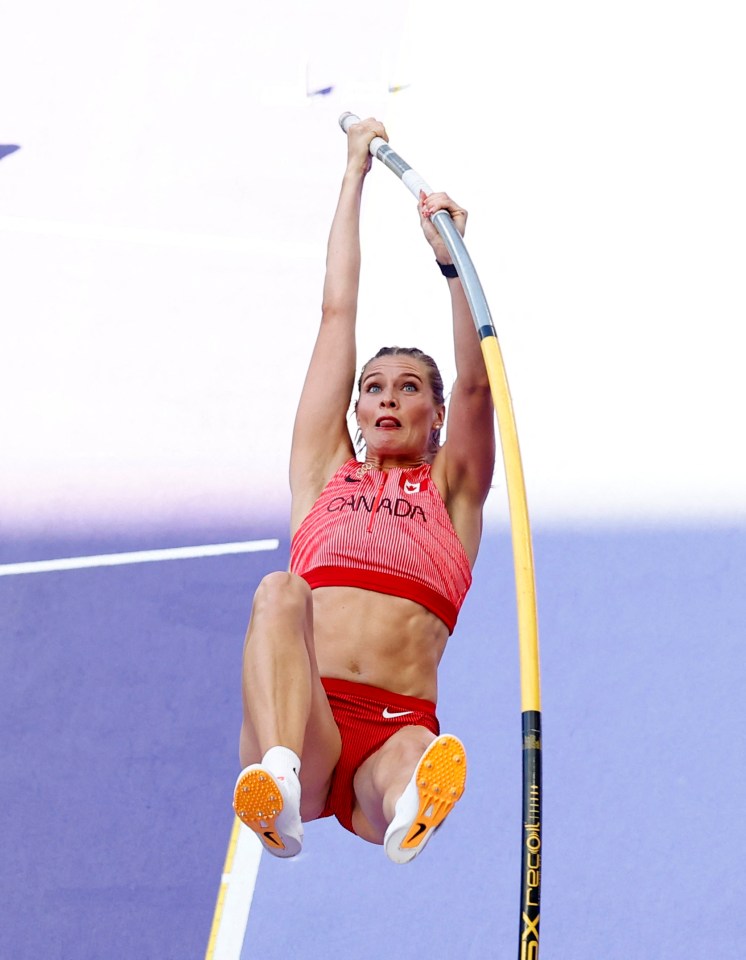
523, 561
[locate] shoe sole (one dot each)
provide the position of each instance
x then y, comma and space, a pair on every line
440, 779
258, 803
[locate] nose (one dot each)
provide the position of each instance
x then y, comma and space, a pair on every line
388, 403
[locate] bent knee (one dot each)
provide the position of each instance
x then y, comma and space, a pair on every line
281, 590
408, 743
396, 757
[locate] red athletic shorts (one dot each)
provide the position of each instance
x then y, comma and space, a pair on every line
366, 717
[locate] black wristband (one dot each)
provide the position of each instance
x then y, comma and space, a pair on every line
448, 269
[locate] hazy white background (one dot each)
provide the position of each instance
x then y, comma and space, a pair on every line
163, 228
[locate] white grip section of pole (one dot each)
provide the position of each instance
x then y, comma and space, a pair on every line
347, 120
414, 183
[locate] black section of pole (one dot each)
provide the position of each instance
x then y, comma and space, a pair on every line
528, 943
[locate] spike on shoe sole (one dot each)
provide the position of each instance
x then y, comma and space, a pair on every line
440, 779
258, 803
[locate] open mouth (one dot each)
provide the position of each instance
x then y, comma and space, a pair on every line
388, 422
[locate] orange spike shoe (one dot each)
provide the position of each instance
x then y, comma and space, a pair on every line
270, 806
436, 786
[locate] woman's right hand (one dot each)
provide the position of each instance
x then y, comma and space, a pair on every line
359, 137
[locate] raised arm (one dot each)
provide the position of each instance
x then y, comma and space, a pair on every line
466, 461
321, 440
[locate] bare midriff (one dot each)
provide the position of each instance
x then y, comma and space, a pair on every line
373, 638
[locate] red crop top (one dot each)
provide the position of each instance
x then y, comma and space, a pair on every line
387, 531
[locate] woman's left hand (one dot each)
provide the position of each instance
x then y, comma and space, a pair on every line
359, 138
430, 205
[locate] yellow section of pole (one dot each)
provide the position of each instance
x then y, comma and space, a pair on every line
523, 556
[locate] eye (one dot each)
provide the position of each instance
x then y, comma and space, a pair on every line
410, 387
372, 388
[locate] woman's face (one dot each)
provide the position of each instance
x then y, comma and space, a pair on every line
396, 411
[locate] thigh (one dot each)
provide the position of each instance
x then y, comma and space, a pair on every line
321, 751
322, 742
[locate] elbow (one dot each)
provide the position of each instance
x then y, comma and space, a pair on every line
335, 309
476, 388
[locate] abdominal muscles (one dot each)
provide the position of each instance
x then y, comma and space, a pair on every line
373, 638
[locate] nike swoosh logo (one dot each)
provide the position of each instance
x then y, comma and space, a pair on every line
413, 836
272, 838
390, 714
350, 479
